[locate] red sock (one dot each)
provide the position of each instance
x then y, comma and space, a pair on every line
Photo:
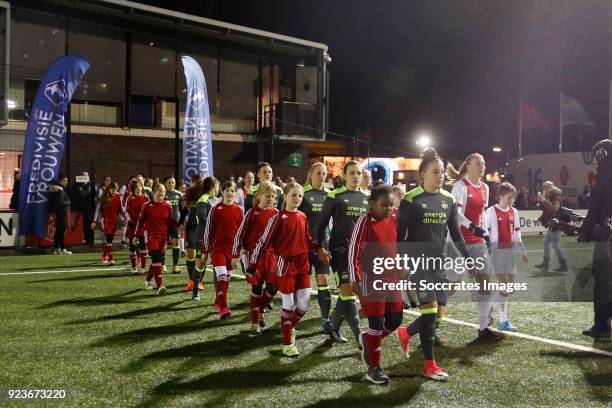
133, 259
225, 290
157, 273
297, 316
373, 339
104, 251
254, 308
149, 274
286, 326
264, 299
143, 259
386, 332
109, 251
221, 288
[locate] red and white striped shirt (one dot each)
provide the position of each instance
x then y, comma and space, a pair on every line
382, 237
287, 234
252, 227
221, 227
472, 200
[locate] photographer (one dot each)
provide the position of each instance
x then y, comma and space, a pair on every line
596, 227
550, 200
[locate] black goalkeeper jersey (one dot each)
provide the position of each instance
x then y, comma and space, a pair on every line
345, 207
312, 206
174, 197
427, 218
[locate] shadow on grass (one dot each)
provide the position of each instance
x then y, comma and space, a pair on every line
596, 369
80, 278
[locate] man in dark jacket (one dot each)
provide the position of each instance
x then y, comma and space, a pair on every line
80, 192
60, 203
598, 227
14, 204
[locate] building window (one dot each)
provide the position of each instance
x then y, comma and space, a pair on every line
37, 41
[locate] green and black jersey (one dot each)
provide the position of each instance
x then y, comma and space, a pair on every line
174, 197
345, 207
279, 201
196, 220
312, 206
427, 218
148, 192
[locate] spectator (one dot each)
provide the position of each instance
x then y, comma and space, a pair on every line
366, 180
105, 182
583, 198
81, 202
14, 204
241, 192
60, 203
522, 199
338, 182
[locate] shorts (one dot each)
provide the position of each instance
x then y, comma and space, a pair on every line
293, 273
156, 244
222, 257
502, 261
475, 251
265, 270
130, 232
173, 232
339, 261
380, 308
193, 241
319, 267
109, 228
421, 296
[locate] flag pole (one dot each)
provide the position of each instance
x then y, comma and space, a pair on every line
610, 109
560, 123
520, 132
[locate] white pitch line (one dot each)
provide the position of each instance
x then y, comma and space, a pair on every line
515, 334
409, 312
64, 271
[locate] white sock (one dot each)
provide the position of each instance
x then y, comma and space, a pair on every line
484, 305
182, 244
503, 309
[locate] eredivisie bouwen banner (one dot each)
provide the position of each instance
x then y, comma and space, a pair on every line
197, 137
45, 139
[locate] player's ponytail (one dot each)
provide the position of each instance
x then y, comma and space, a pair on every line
460, 174
106, 194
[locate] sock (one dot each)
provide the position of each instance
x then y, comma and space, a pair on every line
176, 253
484, 305
297, 316
338, 314
157, 273
324, 298
373, 340
427, 333
286, 316
196, 277
163, 261
221, 288
149, 274
265, 298
191, 268
104, 251
143, 258
439, 321
352, 315
255, 308
109, 251
503, 306
415, 327
133, 259
182, 245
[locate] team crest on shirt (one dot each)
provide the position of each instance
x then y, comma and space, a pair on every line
424, 205
470, 195
444, 205
311, 198
346, 200
365, 202
284, 216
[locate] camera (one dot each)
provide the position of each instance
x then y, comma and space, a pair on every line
567, 221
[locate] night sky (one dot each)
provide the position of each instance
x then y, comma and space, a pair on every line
454, 68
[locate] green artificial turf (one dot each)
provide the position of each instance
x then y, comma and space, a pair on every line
105, 340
